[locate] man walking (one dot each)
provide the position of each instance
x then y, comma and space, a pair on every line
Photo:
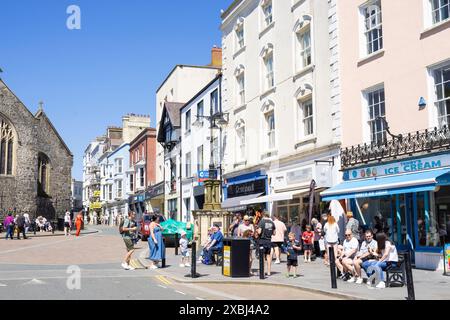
9, 225
128, 230
20, 221
266, 229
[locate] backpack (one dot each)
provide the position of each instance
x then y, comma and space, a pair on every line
121, 231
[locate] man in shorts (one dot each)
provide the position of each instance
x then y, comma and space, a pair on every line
266, 229
128, 234
278, 238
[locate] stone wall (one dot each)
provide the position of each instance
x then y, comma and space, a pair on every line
33, 135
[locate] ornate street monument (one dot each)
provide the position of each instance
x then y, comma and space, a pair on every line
212, 213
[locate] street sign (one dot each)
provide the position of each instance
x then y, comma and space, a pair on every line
203, 176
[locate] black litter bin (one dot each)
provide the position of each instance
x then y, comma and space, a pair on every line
236, 258
60, 225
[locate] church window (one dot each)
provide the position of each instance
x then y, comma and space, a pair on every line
6, 148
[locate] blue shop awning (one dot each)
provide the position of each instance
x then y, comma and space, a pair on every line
383, 186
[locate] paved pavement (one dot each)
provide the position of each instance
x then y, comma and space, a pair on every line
48, 268
314, 277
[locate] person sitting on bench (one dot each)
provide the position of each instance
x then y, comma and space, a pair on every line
215, 245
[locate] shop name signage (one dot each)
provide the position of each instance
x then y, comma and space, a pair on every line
399, 168
243, 189
299, 176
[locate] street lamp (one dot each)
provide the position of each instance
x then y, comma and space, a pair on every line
218, 120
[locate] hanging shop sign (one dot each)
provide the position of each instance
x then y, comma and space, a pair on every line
97, 194
409, 166
95, 205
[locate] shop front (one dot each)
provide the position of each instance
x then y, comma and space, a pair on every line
294, 188
137, 204
244, 187
154, 198
407, 199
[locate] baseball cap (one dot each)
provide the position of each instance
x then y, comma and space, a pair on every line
183, 233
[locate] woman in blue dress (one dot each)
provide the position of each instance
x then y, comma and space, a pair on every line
155, 242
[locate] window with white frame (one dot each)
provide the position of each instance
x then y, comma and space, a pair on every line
440, 10
270, 130
200, 110
442, 91
188, 121
119, 188
377, 112
110, 192
373, 26
304, 45
188, 171
214, 102
306, 118
267, 12
132, 182
269, 81
240, 143
200, 163
241, 89
141, 177
240, 43
119, 167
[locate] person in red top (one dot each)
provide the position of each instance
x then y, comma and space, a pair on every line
308, 238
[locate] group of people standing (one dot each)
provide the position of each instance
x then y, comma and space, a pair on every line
128, 229
18, 224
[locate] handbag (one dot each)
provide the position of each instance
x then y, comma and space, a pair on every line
322, 244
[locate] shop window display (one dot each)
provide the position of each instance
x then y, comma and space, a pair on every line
441, 217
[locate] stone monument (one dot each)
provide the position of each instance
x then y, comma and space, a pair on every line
212, 213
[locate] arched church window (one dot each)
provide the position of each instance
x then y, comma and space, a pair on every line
44, 175
6, 148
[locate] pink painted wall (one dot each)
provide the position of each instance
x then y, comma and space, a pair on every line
403, 67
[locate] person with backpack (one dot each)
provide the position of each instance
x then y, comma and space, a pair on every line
127, 229
266, 229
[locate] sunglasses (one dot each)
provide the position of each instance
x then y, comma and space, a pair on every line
348, 235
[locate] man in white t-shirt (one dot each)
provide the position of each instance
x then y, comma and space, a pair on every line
244, 227
278, 238
345, 261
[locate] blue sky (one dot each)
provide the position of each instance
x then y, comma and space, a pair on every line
89, 78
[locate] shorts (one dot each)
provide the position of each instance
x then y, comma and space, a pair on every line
267, 246
292, 262
66, 224
277, 244
185, 254
307, 247
129, 244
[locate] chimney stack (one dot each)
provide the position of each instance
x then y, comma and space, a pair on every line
216, 57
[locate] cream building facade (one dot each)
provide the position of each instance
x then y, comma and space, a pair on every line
277, 86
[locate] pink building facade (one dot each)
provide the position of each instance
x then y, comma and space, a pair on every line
391, 77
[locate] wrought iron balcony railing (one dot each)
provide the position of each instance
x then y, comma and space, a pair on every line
401, 146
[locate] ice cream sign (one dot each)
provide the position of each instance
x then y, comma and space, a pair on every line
407, 166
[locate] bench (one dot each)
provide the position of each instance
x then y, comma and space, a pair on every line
396, 276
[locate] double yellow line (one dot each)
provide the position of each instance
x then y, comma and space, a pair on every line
163, 279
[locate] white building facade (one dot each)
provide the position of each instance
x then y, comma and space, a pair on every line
283, 131
196, 145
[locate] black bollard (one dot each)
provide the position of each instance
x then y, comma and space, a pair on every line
176, 244
261, 263
332, 267
194, 273
163, 264
409, 277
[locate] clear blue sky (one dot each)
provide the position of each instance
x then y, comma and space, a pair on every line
89, 78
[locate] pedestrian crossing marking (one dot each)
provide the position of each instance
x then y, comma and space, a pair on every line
3, 285
163, 280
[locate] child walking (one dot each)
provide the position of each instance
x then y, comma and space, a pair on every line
308, 238
184, 250
293, 247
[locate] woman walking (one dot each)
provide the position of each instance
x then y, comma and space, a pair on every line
331, 230
155, 242
79, 223
67, 224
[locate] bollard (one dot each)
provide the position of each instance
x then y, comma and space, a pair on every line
409, 276
332, 267
176, 244
261, 263
194, 273
163, 263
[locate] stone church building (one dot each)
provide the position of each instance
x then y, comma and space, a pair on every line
35, 163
